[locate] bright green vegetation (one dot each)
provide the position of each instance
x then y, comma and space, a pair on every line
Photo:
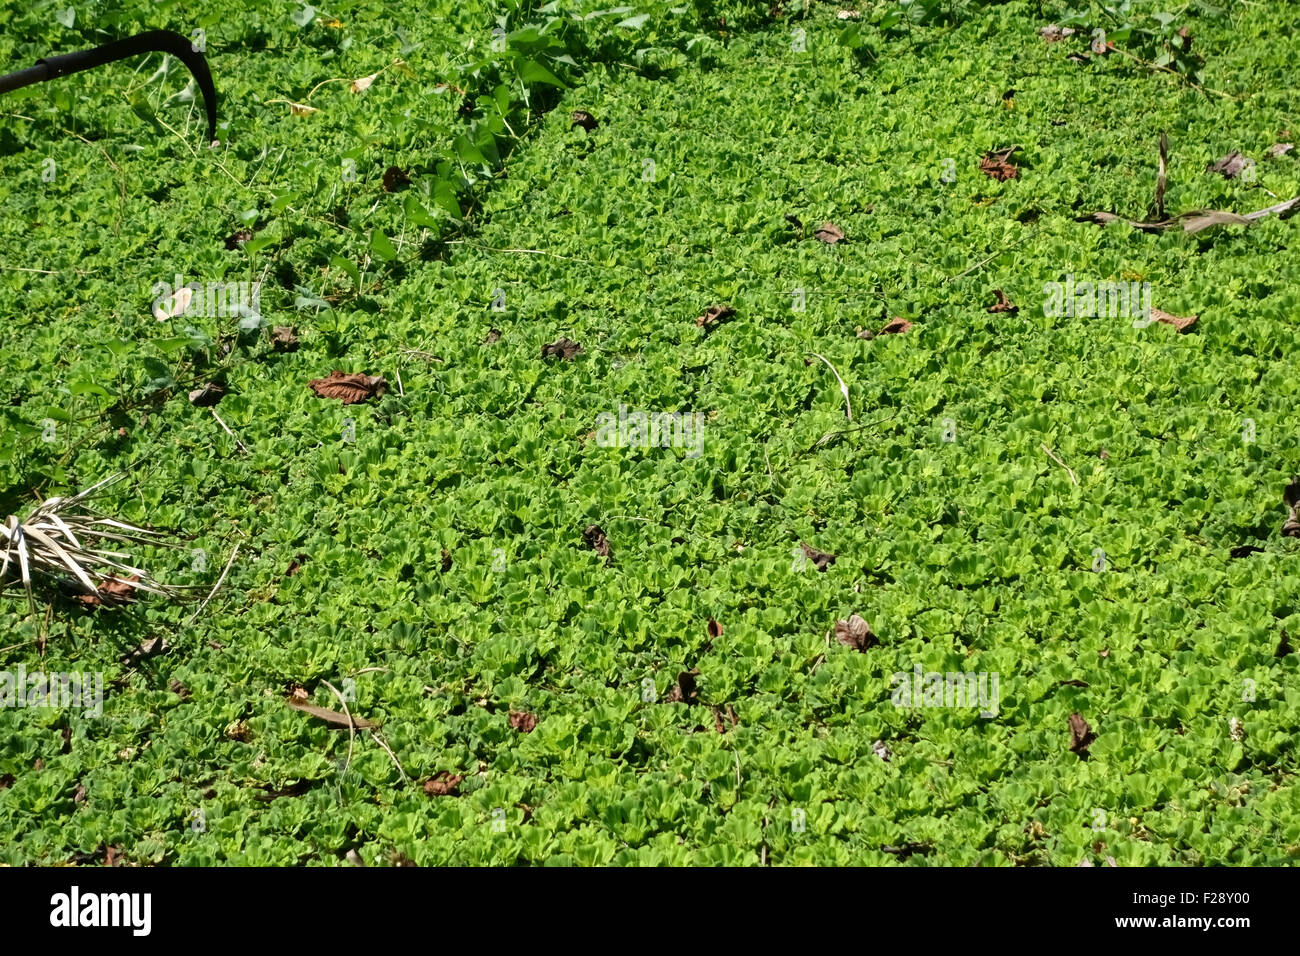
446, 572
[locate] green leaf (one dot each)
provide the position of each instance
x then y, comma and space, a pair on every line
350, 268
534, 72
382, 246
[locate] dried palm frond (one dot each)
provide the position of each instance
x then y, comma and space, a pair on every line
57, 542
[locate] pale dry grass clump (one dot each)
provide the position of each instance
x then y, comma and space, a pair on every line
59, 542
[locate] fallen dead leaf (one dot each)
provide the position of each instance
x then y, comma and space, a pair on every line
207, 396
395, 178
111, 593
284, 338
820, 558
855, 633
584, 119
522, 721
895, 326
597, 541
1003, 304
686, 690
150, 647
715, 629
443, 784
1179, 322
714, 314
361, 84
829, 233
330, 716
1081, 735
175, 304
1291, 498
348, 389
997, 165
1230, 166
1278, 150
1054, 34
561, 348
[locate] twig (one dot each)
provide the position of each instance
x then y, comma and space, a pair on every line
216, 586
844, 389
241, 445
352, 726
1052, 455
531, 252
985, 262
844, 431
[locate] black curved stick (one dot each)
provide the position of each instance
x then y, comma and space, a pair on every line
155, 41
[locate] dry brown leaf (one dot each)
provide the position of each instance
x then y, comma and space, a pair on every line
1081, 735
443, 784
207, 396
584, 119
597, 541
715, 314
330, 716
715, 629
819, 558
1003, 304
895, 326
522, 721
1291, 498
348, 389
176, 304
855, 633
284, 338
996, 164
686, 690
561, 348
1230, 166
361, 84
111, 593
1179, 322
829, 233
